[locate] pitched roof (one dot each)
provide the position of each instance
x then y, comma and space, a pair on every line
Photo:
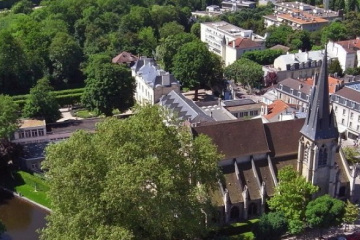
276, 108
124, 57
236, 138
263, 170
320, 122
232, 184
333, 83
73, 125
242, 43
283, 137
350, 46
349, 93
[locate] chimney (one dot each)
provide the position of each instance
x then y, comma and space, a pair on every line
300, 86
300, 51
307, 56
233, 43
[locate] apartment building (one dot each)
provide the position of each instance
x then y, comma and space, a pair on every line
229, 41
347, 52
152, 82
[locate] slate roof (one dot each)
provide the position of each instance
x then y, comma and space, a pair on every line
349, 93
247, 177
263, 170
184, 107
320, 123
280, 162
236, 138
283, 137
232, 184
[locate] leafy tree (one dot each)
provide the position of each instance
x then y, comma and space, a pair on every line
2, 228
65, 55
278, 35
196, 29
336, 31
246, 72
352, 71
299, 40
351, 154
270, 79
292, 195
263, 57
148, 177
171, 28
271, 226
163, 14
41, 103
194, 66
8, 116
108, 87
352, 24
23, 6
324, 212
148, 41
168, 47
335, 68
139, 17
8, 151
351, 213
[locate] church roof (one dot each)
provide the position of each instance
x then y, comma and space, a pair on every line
320, 122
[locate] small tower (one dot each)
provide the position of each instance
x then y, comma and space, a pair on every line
318, 144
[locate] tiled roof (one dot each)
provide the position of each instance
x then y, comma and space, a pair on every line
124, 57
350, 46
243, 43
333, 83
281, 47
349, 93
263, 170
283, 137
236, 138
232, 184
313, 19
280, 162
276, 108
247, 177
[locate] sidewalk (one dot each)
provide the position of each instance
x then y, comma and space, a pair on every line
66, 115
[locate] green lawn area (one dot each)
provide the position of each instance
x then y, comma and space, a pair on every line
83, 113
243, 236
28, 185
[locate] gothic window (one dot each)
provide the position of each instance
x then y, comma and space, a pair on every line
306, 152
322, 156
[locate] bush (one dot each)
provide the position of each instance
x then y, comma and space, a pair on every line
69, 99
263, 57
351, 154
69, 91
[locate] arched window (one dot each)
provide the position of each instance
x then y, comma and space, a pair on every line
234, 213
322, 156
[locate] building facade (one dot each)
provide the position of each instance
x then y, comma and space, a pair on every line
347, 52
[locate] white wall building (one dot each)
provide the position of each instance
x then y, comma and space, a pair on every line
229, 41
152, 82
347, 52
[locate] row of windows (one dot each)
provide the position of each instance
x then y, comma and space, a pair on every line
245, 114
31, 133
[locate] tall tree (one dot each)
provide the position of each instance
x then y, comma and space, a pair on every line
336, 31
23, 6
335, 68
41, 103
278, 35
171, 28
246, 72
352, 212
194, 66
271, 226
148, 176
196, 29
324, 212
292, 195
8, 116
108, 87
148, 41
65, 55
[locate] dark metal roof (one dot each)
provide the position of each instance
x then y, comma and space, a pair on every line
320, 122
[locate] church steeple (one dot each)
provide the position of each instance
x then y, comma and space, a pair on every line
320, 122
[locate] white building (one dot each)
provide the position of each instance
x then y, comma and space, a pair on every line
347, 52
346, 104
229, 41
152, 82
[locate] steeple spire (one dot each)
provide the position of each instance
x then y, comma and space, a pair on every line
320, 123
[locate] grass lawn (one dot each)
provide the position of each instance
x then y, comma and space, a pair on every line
28, 185
83, 113
243, 236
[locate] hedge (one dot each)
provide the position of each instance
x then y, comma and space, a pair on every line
69, 91
69, 99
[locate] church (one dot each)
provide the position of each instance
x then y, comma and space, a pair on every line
254, 152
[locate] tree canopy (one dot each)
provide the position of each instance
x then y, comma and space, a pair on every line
41, 103
9, 115
151, 177
108, 87
292, 195
351, 213
271, 226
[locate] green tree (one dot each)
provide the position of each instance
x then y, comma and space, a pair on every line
335, 68
23, 6
246, 72
271, 226
351, 213
278, 35
352, 71
292, 195
351, 154
108, 87
299, 40
65, 55
263, 57
41, 103
196, 29
139, 17
8, 116
336, 31
148, 41
194, 66
171, 28
324, 212
168, 48
148, 177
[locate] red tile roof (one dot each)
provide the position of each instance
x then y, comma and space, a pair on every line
333, 82
242, 43
275, 108
124, 57
350, 46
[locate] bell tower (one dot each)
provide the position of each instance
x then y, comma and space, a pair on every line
319, 140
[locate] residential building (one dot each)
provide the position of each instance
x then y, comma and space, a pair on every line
347, 52
278, 111
151, 81
211, 11
244, 108
235, 5
297, 91
269, 96
346, 104
229, 41
254, 152
298, 65
125, 58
